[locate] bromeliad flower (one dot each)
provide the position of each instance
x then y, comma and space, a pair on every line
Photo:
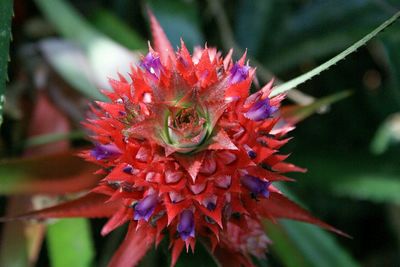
189, 155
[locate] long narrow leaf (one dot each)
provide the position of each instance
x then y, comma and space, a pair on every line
70, 243
53, 174
53, 137
283, 247
297, 113
316, 71
387, 132
318, 247
92, 205
104, 57
376, 190
5, 35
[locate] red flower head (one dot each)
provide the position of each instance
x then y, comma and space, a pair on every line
187, 152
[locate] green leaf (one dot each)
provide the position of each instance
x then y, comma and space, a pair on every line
68, 21
53, 137
329, 167
381, 190
298, 113
70, 243
386, 133
6, 11
317, 246
102, 57
283, 247
70, 61
316, 71
112, 26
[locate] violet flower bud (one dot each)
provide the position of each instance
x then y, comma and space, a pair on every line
152, 64
186, 225
100, 152
239, 73
145, 207
260, 110
256, 185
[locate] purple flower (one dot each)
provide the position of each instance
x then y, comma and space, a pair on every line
100, 152
186, 225
255, 185
239, 73
260, 110
152, 64
145, 207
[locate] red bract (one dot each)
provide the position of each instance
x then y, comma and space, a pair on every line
187, 152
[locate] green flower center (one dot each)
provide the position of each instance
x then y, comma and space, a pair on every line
186, 129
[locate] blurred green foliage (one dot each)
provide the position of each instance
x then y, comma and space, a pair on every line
6, 12
351, 148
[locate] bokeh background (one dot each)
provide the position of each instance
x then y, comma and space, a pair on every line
62, 51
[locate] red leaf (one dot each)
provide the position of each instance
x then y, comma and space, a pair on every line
134, 247
161, 42
278, 206
51, 174
91, 205
120, 217
176, 251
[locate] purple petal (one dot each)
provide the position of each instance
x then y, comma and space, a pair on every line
186, 225
239, 73
100, 152
145, 207
255, 185
152, 64
260, 110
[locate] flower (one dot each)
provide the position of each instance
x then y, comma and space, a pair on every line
186, 152
102, 152
186, 225
144, 208
255, 185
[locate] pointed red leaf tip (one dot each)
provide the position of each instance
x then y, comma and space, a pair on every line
278, 206
176, 251
91, 205
161, 43
135, 245
191, 164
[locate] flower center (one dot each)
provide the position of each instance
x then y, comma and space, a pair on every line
186, 129
186, 118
